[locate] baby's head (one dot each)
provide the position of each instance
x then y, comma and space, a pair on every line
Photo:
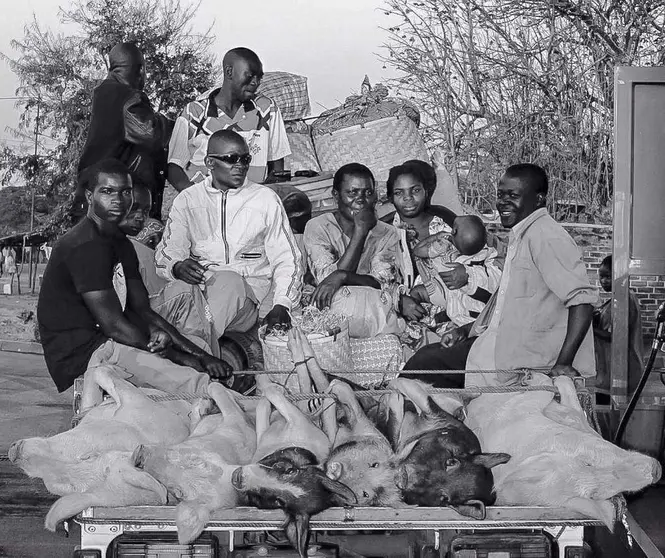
469, 235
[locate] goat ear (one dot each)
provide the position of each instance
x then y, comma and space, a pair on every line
342, 494
471, 508
490, 460
297, 531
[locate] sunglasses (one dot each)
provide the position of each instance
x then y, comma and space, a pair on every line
233, 158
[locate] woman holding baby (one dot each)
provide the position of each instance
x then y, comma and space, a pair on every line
448, 271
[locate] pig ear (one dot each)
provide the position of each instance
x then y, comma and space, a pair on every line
191, 519
490, 460
342, 494
66, 507
406, 451
401, 478
297, 531
471, 508
138, 479
334, 470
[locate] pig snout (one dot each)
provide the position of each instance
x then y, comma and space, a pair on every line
15, 451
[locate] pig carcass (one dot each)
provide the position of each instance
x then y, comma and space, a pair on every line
197, 472
557, 460
91, 463
285, 472
430, 458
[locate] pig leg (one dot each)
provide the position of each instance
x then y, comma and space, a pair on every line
97, 380
358, 421
318, 377
415, 391
263, 411
295, 347
225, 401
286, 408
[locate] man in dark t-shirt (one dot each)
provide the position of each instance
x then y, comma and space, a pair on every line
81, 321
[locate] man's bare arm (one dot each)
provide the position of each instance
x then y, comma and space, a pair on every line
579, 320
105, 308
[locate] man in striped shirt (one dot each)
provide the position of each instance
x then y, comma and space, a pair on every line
233, 106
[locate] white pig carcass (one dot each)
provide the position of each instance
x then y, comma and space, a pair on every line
197, 472
557, 459
91, 464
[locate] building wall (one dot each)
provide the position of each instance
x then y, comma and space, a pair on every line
595, 241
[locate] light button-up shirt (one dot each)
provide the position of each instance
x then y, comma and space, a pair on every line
544, 275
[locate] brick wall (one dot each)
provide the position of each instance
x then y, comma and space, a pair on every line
595, 241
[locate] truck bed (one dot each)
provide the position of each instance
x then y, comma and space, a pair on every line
365, 518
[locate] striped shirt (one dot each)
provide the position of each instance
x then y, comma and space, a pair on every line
259, 122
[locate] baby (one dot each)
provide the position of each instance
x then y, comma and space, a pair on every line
466, 244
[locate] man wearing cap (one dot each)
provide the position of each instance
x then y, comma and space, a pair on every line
235, 106
232, 237
124, 127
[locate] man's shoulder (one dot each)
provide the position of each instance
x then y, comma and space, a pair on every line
191, 195
194, 109
81, 233
264, 104
547, 227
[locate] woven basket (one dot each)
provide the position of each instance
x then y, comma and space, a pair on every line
333, 353
380, 145
289, 91
303, 156
383, 352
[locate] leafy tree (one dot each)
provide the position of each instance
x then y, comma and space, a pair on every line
502, 81
59, 72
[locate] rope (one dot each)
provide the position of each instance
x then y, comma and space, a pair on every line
423, 372
363, 394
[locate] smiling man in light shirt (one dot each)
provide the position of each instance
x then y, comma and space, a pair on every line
232, 237
540, 316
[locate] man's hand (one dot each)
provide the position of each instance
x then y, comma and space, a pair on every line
159, 341
215, 368
278, 317
411, 309
189, 271
456, 278
564, 370
419, 294
365, 220
454, 336
324, 293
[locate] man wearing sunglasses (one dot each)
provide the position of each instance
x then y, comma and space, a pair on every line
234, 106
232, 237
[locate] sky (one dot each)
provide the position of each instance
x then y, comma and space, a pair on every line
333, 43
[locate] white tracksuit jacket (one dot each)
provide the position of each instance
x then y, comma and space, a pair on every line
244, 230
